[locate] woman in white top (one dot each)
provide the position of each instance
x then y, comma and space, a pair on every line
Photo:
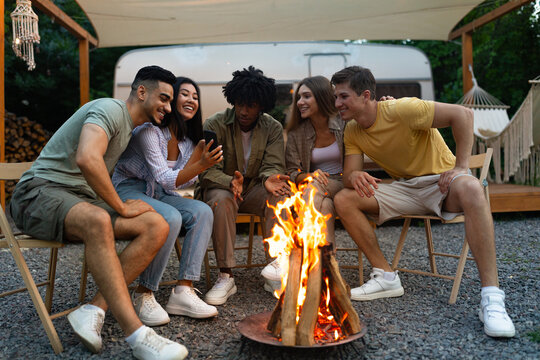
160, 159
314, 148
315, 144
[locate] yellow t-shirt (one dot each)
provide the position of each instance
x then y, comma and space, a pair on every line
402, 140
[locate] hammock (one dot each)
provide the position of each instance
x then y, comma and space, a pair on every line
490, 117
520, 138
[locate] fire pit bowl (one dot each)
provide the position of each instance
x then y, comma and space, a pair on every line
254, 328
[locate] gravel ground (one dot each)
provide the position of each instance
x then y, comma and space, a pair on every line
418, 325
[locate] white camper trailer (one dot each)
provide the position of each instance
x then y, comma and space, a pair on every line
399, 70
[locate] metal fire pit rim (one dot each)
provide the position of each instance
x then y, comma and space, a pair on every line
253, 327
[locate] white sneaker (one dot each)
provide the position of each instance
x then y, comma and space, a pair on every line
148, 309
272, 286
493, 314
377, 287
150, 346
272, 271
87, 324
222, 289
189, 304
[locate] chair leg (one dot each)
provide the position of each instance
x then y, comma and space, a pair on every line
84, 280
459, 272
250, 237
37, 300
50, 279
361, 266
178, 248
262, 230
207, 270
431, 249
401, 242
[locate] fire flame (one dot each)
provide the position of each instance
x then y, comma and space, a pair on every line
300, 225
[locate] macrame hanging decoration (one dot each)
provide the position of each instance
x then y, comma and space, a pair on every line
25, 32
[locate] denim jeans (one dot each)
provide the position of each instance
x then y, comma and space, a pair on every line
197, 218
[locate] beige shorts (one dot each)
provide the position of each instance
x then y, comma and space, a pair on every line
419, 195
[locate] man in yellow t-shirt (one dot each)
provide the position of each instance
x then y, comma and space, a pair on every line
402, 137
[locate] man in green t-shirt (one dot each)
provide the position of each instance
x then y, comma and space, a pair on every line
67, 196
402, 137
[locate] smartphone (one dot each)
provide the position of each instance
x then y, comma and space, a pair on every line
210, 135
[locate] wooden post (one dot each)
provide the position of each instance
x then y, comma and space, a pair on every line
466, 60
84, 71
2, 107
310, 309
288, 314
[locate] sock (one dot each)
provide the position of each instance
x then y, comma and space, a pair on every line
136, 294
179, 288
131, 338
489, 289
226, 271
390, 276
92, 307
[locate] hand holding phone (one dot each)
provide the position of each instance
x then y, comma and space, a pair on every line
208, 136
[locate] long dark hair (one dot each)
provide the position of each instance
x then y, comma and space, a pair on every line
192, 129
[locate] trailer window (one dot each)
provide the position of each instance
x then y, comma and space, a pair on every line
398, 90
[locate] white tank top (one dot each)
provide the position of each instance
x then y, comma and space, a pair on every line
327, 159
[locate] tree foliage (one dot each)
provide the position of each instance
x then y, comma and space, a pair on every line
506, 56
50, 93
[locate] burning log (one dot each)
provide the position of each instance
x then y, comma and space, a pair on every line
274, 323
307, 311
310, 310
288, 313
340, 302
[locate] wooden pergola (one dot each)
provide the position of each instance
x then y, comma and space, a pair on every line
85, 40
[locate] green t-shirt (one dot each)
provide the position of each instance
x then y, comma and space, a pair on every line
56, 162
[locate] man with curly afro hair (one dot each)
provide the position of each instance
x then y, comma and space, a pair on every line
252, 170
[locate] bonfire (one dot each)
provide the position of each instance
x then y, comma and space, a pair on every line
314, 302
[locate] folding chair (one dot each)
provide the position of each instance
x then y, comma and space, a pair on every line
241, 218
481, 161
13, 171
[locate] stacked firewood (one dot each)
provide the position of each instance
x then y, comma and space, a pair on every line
24, 140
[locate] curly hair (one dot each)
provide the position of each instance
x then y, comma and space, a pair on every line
192, 129
250, 86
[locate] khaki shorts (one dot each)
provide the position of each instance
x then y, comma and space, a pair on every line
39, 207
416, 196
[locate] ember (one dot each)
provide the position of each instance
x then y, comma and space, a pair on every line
307, 311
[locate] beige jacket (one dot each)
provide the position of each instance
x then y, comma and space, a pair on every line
300, 143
